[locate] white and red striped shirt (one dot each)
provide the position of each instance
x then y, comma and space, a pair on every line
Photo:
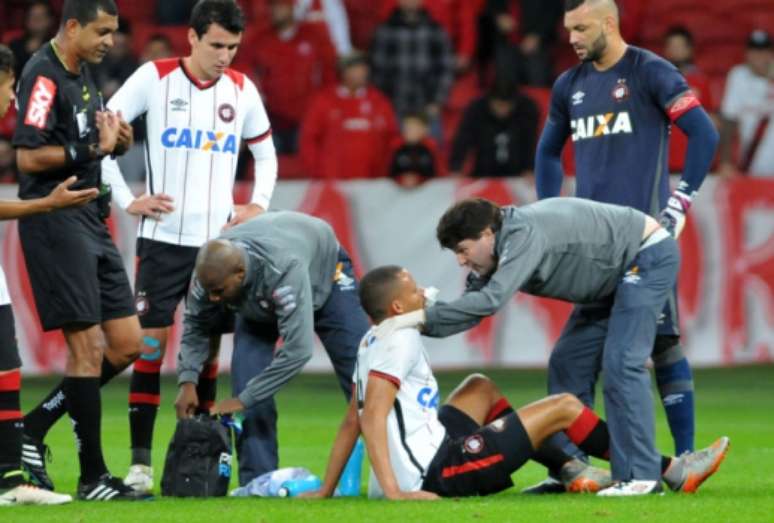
414, 432
194, 131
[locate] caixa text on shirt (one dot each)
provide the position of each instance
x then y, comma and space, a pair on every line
601, 125
199, 139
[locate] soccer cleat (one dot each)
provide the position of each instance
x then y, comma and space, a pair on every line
34, 456
633, 487
578, 476
27, 494
687, 472
547, 486
140, 478
109, 488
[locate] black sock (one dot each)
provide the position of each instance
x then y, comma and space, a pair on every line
207, 387
551, 456
11, 425
85, 409
590, 434
39, 420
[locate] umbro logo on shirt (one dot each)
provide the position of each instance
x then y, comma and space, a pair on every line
577, 98
178, 104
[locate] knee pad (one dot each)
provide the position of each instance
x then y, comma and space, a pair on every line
667, 350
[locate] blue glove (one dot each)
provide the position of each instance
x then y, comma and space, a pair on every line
672, 218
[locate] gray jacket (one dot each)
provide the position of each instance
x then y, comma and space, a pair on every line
290, 263
566, 248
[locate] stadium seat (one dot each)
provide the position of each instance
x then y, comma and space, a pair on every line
137, 12
717, 59
178, 35
10, 35
464, 91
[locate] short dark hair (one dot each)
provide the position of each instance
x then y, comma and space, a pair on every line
6, 60
376, 290
85, 11
682, 31
467, 220
225, 13
569, 5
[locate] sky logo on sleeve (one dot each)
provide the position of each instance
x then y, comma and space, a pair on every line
41, 100
200, 140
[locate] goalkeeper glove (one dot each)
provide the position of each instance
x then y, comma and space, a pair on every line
672, 218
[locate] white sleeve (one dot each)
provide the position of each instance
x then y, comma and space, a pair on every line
132, 100
257, 133
338, 25
394, 357
734, 94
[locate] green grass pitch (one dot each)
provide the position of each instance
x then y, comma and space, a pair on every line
734, 402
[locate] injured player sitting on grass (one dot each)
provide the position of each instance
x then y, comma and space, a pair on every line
474, 442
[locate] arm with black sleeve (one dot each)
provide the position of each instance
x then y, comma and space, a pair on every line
548, 156
37, 118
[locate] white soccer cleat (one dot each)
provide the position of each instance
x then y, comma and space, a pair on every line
634, 487
140, 478
26, 494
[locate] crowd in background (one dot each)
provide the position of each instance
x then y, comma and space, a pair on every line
415, 89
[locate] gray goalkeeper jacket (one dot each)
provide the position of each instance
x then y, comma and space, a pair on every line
566, 248
290, 264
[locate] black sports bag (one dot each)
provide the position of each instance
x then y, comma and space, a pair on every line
198, 463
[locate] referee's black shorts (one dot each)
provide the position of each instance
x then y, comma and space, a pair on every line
475, 460
164, 273
76, 272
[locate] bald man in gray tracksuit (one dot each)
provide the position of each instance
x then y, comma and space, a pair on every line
582, 252
297, 282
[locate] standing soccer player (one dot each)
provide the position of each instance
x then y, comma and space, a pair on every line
14, 489
617, 106
197, 112
75, 270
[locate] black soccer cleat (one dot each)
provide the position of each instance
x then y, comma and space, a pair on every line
547, 486
34, 456
108, 488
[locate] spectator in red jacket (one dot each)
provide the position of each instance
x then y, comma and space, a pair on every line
348, 127
678, 49
292, 62
414, 155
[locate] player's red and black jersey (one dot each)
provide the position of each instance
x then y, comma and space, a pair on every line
619, 122
56, 107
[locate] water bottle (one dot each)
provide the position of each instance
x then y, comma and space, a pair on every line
349, 483
295, 487
269, 484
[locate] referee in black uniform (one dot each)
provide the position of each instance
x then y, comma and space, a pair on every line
77, 275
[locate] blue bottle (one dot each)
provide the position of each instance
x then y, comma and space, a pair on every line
294, 487
349, 483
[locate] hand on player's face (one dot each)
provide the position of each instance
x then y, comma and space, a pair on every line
477, 255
